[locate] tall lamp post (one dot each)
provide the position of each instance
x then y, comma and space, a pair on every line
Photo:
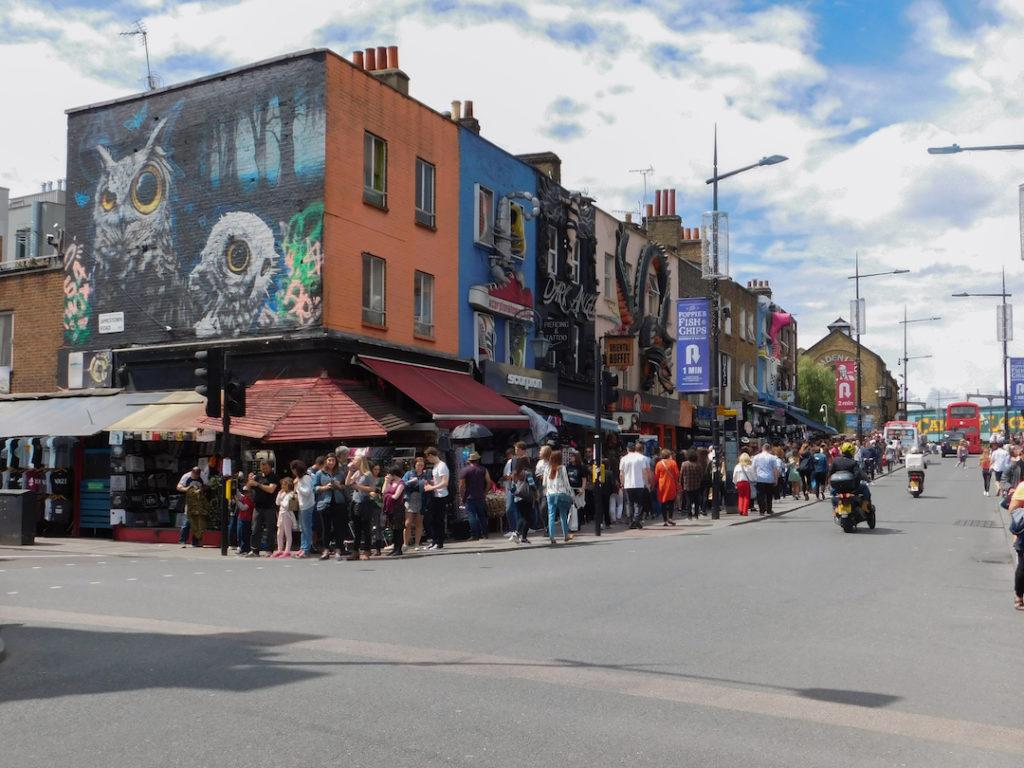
1004, 333
905, 322
714, 273
859, 323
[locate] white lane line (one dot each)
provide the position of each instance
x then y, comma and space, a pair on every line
13, 593
56, 587
198, 573
69, 565
131, 578
227, 570
259, 567
94, 582
36, 567
168, 575
102, 562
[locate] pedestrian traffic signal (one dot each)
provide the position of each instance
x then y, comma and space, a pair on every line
609, 389
234, 396
210, 377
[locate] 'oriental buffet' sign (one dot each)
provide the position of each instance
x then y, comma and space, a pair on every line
569, 297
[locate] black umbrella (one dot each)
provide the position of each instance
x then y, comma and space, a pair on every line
470, 431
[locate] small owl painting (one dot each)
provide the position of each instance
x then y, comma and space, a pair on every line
229, 285
134, 250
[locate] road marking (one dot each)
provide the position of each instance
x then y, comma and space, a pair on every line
56, 587
102, 562
13, 593
168, 575
95, 582
197, 573
131, 578
580, 675
36, 567
69, 565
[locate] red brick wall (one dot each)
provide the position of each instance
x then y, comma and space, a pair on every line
36, 299
357, 102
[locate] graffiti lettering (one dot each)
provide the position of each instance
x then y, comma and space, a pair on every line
571, 299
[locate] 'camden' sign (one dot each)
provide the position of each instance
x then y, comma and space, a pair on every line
570, 298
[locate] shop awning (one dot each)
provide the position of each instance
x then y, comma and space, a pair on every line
587, 420
70, 415
801, 417
304, 410
450, 397
176, 415
388, 414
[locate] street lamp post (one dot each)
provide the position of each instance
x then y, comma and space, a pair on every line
905, 322
954, 149
857, 277
716, 490
1004, 333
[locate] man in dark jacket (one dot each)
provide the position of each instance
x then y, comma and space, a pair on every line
845, 462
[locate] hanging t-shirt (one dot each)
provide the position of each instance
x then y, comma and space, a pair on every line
60, 482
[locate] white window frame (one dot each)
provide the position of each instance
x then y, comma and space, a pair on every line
743, 324
726, 321
653, 292
22, 243
423, 324
7, 339
426, 213
610, 294
373, 315
483, 198
751, 331
552, 254
371, 194
572, 262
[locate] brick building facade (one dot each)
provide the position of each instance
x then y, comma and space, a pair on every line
30, 316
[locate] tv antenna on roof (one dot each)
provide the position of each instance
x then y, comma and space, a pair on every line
140, 30
645, 172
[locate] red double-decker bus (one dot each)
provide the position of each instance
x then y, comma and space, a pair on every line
965, 417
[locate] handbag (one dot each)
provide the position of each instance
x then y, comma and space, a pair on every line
574, 519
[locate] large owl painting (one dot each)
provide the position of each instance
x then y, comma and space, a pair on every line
197, 211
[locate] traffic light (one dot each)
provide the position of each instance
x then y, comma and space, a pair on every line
210, 375
609, 389
234, 396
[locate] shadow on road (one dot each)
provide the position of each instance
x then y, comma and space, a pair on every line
884, 531
49, 662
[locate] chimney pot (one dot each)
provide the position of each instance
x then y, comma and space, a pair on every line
456, 111
357, 59
671, 202
657, 202
382, 57
650, 210
469, 108
371, 59
392, 57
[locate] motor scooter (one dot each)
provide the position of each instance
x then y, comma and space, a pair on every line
850, 505
915, 473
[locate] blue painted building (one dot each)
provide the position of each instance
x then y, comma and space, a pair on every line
498, 212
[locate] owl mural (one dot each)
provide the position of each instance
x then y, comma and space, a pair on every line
133, 248
231, 282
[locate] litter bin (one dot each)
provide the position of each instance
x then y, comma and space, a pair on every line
17, 517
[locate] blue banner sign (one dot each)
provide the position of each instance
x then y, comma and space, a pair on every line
1017, 382
693, 356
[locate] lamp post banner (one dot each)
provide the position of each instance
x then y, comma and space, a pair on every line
1017, 382
693, 356
846, 386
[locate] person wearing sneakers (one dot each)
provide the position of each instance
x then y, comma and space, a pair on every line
287, 506
303, 484
438, 504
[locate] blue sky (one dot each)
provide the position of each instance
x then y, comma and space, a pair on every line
852, 91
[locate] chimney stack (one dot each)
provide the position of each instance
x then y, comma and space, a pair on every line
671, 202
657, 202
468, 121
665, 228
383, 62
357, 59
456, 111
650, 211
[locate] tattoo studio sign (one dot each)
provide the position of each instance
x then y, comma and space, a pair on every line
571, 298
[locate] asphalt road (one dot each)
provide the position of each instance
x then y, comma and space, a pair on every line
780, 643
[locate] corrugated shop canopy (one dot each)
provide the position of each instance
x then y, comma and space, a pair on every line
450, 397
70, 415
300, 411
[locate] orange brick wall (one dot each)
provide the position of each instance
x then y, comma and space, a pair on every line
36, 298
357, 102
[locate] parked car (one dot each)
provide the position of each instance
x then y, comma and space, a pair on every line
950, 441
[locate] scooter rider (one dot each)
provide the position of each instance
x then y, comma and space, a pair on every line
845, 462
915, 466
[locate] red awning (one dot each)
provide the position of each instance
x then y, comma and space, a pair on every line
450, 397
300, 411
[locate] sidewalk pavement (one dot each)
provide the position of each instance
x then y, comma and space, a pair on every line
46, 548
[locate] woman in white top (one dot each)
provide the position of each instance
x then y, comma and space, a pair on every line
307, 504
743, 478
558, 494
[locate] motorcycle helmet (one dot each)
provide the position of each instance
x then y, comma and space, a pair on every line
847, 449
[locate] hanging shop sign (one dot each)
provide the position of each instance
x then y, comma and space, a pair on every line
619, 352
507, 300
1017, 382
693, 358
571, 298
846, 385
521, 383
557, 330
